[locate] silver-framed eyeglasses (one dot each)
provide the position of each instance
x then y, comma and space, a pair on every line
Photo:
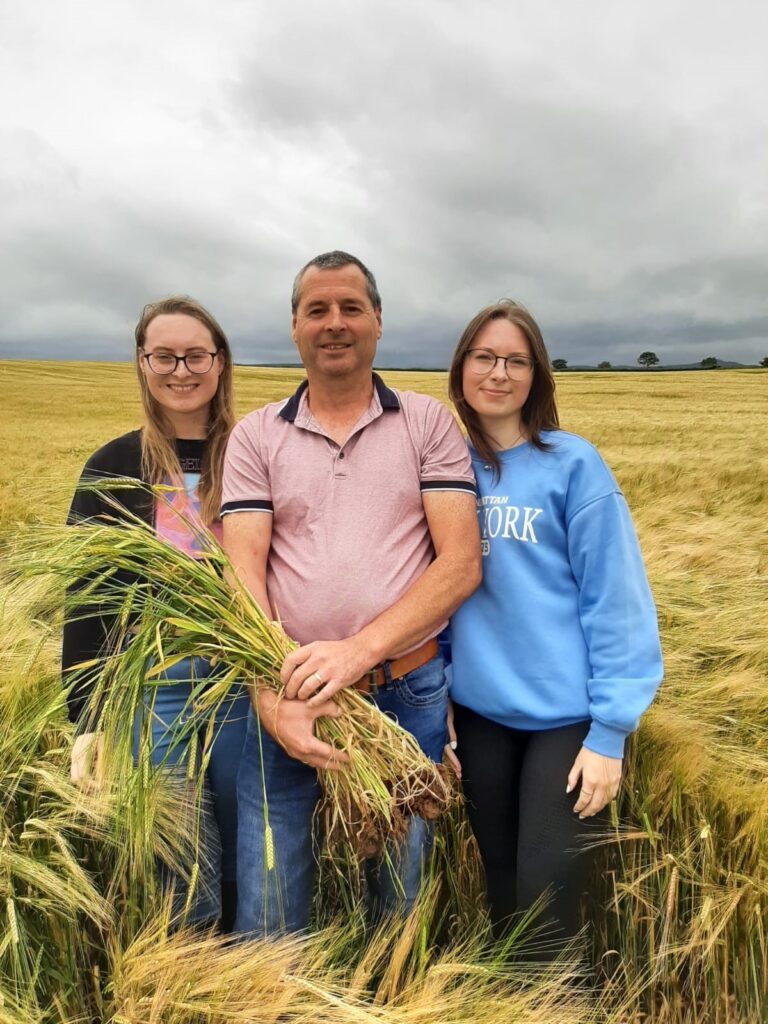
164, 363
483, 361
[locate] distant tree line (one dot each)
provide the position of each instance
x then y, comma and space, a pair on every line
649, 359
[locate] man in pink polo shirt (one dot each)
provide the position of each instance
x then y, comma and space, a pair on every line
349, 511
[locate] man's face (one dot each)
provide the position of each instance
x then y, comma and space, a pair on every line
335, 327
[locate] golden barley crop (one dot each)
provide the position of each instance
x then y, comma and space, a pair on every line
680, 905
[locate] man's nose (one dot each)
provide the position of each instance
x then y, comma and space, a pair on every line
335, 320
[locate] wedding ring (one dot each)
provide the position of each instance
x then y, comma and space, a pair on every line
318, 677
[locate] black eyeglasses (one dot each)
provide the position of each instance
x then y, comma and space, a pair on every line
164, 363
482, 361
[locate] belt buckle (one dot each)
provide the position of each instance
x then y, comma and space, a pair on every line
370, 677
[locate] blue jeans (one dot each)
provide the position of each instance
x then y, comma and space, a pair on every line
167, 707
277, 897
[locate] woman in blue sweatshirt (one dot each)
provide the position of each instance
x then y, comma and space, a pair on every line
556, 655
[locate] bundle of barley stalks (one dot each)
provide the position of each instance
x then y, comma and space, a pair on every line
163, 607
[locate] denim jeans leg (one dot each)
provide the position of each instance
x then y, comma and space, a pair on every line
275, 880
419, 701
395, 880
223, 765
168, 707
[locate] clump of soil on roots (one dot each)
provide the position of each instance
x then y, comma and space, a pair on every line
427, 791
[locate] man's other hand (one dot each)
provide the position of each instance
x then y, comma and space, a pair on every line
316, 671
291, 724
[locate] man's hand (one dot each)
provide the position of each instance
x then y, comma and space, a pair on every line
316, 671
84, 760
600, 780
291, 724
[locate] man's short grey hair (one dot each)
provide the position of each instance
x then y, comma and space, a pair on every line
334, 261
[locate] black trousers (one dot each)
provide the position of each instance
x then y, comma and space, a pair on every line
530, 840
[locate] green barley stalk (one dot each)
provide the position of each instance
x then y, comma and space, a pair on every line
164, 607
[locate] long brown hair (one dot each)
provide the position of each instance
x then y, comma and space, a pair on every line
540, 409
158, 455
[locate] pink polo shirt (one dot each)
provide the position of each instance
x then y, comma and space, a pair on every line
349, 533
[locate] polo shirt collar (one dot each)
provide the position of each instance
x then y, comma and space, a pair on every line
386, 396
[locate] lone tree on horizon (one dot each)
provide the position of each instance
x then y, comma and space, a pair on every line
605, 365
559, 364
710, 363
764, 362
648, 359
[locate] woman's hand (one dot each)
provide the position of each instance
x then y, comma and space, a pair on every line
86, 754
449, 750
600, 780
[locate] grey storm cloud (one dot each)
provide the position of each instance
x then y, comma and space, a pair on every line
603, 164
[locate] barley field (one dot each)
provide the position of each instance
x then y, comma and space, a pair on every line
680, 904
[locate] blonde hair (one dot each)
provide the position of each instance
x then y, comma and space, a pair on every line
158, 454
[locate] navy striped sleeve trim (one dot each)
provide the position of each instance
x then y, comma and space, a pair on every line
449, 485
250, 505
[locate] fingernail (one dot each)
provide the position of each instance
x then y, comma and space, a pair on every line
453, 744
568, 789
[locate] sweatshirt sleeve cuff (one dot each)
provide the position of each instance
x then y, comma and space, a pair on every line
605, 740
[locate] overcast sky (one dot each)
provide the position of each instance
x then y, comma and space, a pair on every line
604, 162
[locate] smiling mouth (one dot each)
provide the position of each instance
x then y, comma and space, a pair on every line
335, 347
182, 387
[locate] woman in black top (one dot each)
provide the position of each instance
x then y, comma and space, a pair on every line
184, 368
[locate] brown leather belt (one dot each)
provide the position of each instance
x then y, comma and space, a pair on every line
376, 678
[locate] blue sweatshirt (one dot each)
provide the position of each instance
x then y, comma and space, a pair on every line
563, 627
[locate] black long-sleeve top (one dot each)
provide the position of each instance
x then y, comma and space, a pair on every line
87, 638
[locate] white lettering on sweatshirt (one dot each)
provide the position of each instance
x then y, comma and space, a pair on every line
500, 519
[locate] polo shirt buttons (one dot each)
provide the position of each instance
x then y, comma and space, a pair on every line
341, 455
